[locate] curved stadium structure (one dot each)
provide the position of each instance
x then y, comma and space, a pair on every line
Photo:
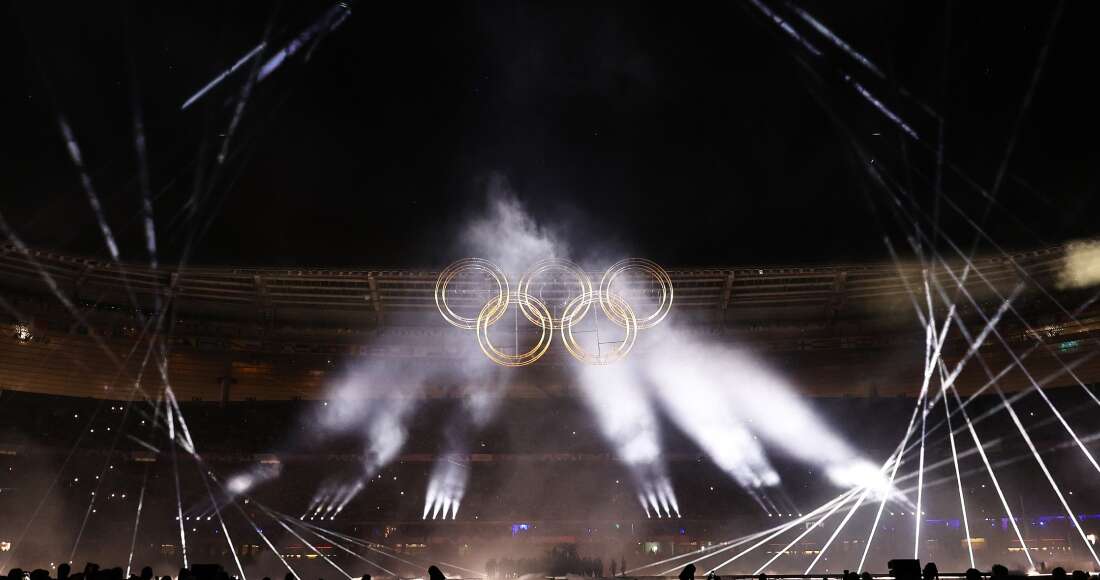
280, 333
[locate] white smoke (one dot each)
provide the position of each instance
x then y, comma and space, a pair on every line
725, 398
508, 236
445, 489
1082, 265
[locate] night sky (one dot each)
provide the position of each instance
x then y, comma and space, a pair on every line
685, 132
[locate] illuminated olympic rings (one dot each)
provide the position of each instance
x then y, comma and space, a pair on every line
476, 264
614, 306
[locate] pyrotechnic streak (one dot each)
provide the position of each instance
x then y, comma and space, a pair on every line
328, 22
958, 476
836, 40
784, 550
222, 76
143, 173
86, 181
785, 27
876, 103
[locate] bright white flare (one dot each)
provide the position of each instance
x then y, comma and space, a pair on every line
445, 490
1082, 266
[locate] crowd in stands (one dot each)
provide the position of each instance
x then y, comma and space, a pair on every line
507, 568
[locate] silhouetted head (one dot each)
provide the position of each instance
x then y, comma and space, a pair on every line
866, 576
1000, 571
289, 576
40, 574
930, 571
63, 571
435, 574
1058, 572
146, 573
15, 574
973, 574
688, 573
365, 577
762, 576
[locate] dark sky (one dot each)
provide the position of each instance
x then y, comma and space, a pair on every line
687, 133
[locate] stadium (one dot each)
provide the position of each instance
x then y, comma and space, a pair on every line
549, 295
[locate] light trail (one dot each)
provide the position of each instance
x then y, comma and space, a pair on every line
176, 475
836, 532
137, 521
1050, 478
1030, 378
839, 500
342, 547
203, 475
996, 484
114, 440
958, 476
893, 473
797, 538
222, 76
372, 547
836, 40
920, 481
785, 27
279, 521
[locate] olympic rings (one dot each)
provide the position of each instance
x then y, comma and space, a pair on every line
485, 319
614, 306
549, 264
449, 273
621, 306
651, 268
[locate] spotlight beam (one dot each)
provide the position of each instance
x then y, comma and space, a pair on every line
893, 473
996, 485
279, 521
839, 500
797, 538
958, 478
314, 530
